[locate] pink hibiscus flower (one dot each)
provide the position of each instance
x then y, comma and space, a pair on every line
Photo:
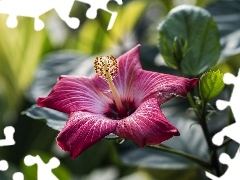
121, 98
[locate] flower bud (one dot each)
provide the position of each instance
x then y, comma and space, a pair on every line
177, 50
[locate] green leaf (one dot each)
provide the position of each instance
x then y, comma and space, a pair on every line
64, 62
54, 119
229, 27
197, 30
211, 84
183, 174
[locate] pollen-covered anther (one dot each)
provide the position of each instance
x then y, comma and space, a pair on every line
106, 67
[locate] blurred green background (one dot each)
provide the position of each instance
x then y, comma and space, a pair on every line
30, 62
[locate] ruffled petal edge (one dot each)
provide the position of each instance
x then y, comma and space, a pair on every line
147, 125
82, 130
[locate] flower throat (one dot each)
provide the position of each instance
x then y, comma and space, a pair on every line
106, 67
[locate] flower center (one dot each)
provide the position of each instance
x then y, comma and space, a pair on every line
113, 113
106, 67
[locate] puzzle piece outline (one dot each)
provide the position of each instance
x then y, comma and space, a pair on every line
8, 141
230, 131
94, 6
34, 9
44, 171
233, 165
4, 167
8, 133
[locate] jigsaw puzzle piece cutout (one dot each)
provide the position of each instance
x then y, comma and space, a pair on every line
3, 165
95, 5
8, 133
231, 131
16, 176
113, 4
44, 171
25, 8
229, 78
38, 24
12, 21
221, 104
63, 9
36, 8
235, 98
233, 167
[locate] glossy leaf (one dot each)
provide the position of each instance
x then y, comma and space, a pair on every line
53, 118
184, 174
195, 27
56, 64
226, 15
211, 84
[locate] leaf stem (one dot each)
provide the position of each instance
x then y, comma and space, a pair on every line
164, 148
200, 112
190, 100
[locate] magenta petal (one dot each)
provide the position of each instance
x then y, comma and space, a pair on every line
72, 94
128, 67
82, 130
162, 86
147, 125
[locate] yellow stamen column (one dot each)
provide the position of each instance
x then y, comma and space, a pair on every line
106, 67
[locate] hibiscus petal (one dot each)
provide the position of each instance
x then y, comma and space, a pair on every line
162, 86
147, 125
72, 94
82, 130
128, 66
